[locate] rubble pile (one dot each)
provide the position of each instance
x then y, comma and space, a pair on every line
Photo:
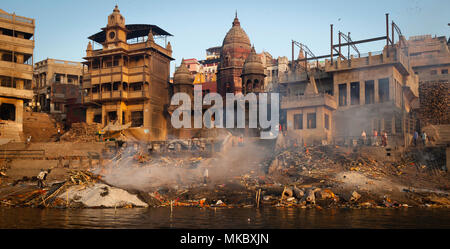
81, 189
295, 160
82, 132
299, 177
101, 195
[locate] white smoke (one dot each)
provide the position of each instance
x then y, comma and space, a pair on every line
184, 172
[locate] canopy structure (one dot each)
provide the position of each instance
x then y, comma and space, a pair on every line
134, 31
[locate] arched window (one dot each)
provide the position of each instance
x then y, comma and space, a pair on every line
256, 84
227, 87
248, 86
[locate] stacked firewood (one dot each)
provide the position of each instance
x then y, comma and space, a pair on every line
82, 132
434, 100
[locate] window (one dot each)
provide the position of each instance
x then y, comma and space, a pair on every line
354, 93
7, 112
444, 71
5, 81
311, 120
342, 94
136, 86
327, 122
95, 89
249, 86
7, 56
116, 86
204, 92
383, 90
106, 87
97, 118
112, 116
369, 92
228, 87
433, 72
256, 85
298, 121
137, 118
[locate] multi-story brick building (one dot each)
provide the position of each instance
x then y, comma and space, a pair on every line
430, 57
57, 84
354, 94
16, 72
127, 79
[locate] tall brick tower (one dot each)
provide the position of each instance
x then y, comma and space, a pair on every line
235, 49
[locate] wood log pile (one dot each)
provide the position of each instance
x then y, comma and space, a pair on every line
434, 100
82, 132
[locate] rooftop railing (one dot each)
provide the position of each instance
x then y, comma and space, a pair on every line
14, 18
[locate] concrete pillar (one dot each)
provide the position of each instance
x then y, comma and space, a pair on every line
375, 89
348, 94
119, 112
320, 118
393, 124
19, 113
392, 86
103, 115
362, 93
147, 112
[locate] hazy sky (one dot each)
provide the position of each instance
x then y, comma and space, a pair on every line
62, 27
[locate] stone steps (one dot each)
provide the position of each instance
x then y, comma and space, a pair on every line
11, 131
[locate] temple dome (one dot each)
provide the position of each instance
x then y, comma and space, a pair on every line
236, 35
235, 47
253, 64
182, 75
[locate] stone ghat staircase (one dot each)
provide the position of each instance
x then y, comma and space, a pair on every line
40, 126
10, 131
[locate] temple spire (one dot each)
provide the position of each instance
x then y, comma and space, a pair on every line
236, 20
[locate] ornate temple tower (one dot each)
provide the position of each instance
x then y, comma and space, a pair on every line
183, 81
235, 49
116, 32
253, 74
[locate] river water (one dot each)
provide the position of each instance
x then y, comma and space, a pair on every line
226, 218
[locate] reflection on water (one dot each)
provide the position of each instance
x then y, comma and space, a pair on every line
223, 218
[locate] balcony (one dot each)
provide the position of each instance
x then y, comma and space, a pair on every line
16, 93
18, 42
16, 70
308, 101
116, 95
87, 99
96, 96
138, 95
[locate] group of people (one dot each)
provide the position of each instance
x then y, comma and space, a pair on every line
383, 137
423, 137
374, 139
